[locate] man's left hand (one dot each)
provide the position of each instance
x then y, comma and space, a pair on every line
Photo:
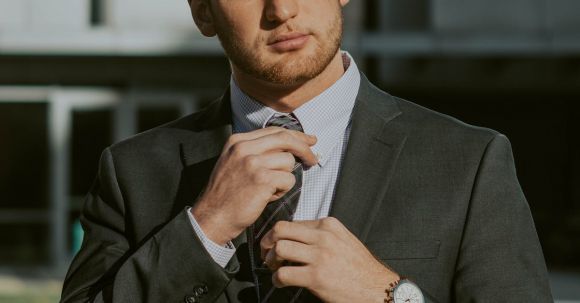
327, 259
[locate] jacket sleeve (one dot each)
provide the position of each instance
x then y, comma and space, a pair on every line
500, 257
170, 265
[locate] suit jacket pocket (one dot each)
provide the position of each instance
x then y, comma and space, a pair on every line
401, 250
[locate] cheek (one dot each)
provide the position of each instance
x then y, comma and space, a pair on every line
322, 23
242, 20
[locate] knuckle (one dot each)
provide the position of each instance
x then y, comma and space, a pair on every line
234, 138
251, 162
330, 223
261, 178
280, 277
264, 243
290, 158
279, 227
287, 181
291, 181
286, 136
290, 162
280, 248
237, 149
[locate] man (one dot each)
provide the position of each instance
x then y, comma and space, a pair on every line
305, 183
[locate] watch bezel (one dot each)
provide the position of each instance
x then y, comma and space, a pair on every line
407, 282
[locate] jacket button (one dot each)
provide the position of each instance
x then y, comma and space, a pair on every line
200, 290
190, 299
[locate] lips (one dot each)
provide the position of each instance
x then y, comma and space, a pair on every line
289, 42
285, 37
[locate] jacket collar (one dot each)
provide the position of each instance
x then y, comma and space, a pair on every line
375, 142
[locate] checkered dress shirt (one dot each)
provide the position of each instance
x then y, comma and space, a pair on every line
327, 116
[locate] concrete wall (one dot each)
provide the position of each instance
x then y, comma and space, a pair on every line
408, 15
505, 16
563, 15
76, 14
43, 14
148, 14
495, 16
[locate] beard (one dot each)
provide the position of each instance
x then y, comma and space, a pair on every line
289, 70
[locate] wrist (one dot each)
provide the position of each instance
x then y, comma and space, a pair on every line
391, 282
380, 283
212, 227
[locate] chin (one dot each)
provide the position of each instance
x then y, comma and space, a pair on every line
292, 74
292, 68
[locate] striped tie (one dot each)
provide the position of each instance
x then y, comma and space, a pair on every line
280, 210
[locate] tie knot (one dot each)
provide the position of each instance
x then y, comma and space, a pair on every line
287, 121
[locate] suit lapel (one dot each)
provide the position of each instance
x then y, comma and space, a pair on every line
211, 129
200, 152
203, 136
375, 142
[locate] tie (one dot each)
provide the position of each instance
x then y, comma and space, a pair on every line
281, 209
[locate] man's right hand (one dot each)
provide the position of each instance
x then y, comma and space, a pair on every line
254, 168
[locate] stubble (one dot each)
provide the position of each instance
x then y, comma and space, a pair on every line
288, 71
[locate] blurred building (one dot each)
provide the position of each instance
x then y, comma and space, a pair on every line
78, 75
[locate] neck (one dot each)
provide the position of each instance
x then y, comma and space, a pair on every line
287, 98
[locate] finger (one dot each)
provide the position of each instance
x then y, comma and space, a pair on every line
328, 224
308, 138
282, 141
300, 276
329, 228
261, 132
284, 230
240, 137
291, 251
283, 161
281, 183
272, 261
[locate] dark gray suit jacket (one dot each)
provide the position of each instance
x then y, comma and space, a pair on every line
435, 199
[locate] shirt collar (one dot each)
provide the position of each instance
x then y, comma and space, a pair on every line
326, 116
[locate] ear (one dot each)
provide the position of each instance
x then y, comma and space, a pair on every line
201, 13
343, 3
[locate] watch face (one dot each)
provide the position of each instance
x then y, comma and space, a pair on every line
408, 292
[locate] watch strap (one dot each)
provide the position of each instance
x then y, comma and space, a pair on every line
390, 290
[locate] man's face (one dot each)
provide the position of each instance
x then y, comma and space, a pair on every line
286, 42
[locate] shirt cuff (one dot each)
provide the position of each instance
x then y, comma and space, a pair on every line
220, 254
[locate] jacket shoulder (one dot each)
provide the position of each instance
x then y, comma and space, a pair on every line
161, 137
429, 124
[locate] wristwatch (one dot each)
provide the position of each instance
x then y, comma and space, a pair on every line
404, 291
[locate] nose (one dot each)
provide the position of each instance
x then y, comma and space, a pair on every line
281, 11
